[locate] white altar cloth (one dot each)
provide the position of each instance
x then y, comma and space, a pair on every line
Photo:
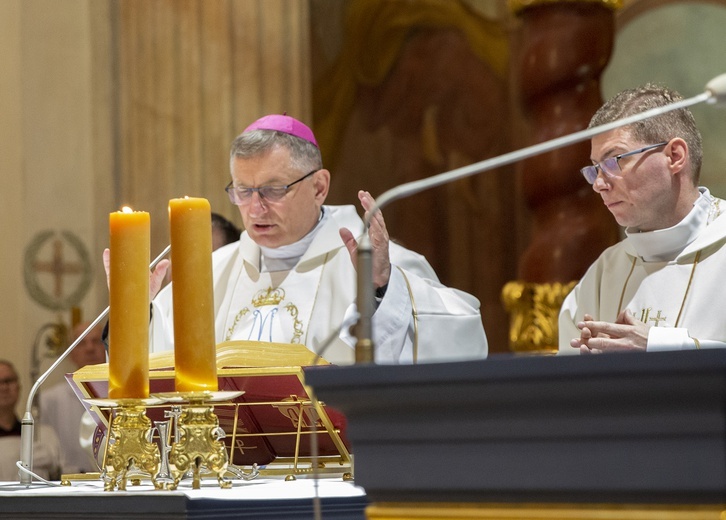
246, 499
257, 489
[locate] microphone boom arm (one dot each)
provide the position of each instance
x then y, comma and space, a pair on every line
413, 187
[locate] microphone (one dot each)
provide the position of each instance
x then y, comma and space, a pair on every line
714, 93
364, 347
27, 425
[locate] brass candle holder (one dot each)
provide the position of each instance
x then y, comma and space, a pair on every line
130, 453
198, 444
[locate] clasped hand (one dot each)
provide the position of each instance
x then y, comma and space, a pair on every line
627, 334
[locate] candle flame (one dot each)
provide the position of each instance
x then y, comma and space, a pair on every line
126, 209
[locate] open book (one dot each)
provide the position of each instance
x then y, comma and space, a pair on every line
271, 422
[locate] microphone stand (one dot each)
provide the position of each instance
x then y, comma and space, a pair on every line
27, 425
364, 347
54, 343
715, 92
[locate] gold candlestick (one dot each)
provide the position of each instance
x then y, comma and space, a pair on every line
200, 439
131, 451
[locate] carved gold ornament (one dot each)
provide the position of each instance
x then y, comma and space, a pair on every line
534, 310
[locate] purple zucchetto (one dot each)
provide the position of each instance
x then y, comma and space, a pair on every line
284, 124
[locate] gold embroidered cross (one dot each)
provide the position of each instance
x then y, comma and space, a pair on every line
658, 318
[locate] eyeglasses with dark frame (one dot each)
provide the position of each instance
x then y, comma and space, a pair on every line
239, 195
611, 165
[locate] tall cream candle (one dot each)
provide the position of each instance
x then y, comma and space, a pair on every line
128, 348
195, 363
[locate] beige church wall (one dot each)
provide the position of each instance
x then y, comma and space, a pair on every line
679, 44
189, 77
11, 207
50, 185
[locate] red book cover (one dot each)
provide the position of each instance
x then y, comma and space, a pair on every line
270, 421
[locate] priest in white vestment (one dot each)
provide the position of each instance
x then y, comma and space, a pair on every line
661, 287
291, 278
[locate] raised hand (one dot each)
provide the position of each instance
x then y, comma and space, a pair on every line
156, 277
378, 235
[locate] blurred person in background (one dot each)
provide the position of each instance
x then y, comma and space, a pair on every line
47, 455
62, 410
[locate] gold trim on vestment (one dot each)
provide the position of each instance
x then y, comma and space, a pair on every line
273, 296
625, 285
688, 288
237, 317
685, 295
414, 313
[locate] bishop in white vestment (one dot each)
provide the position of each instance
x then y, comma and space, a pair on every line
291, 278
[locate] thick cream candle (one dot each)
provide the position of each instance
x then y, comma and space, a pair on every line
128, 348
195, 362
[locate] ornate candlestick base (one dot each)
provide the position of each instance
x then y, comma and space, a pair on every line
131, 451
199, 445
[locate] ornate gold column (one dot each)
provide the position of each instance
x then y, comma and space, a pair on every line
560, 52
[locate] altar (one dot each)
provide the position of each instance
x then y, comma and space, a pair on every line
274, 499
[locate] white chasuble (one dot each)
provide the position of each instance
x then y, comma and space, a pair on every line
656, 293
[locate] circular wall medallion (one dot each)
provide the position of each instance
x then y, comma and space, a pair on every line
57, 270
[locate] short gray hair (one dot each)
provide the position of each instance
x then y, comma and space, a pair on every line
10, 366
305, 155
677, 123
